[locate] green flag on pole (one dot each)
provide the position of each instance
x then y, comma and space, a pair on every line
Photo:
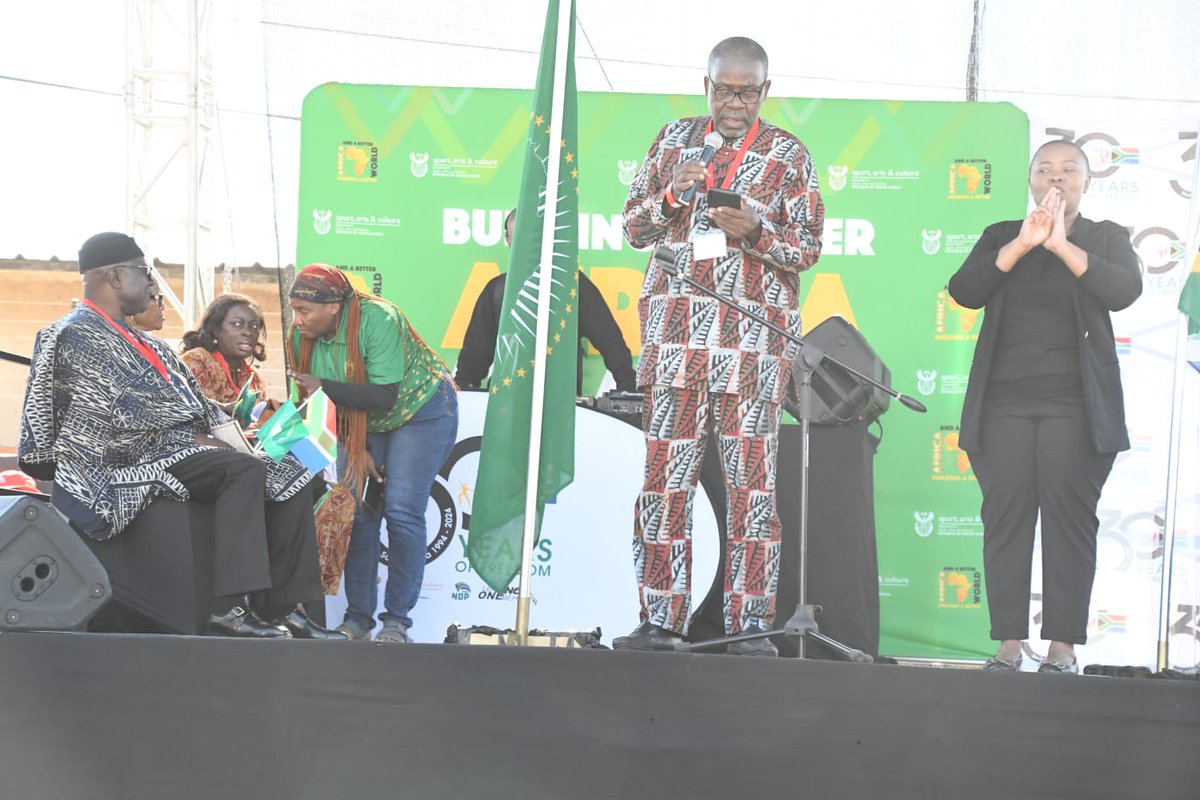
498, 509
1189, 302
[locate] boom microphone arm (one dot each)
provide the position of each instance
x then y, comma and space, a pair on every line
666, 259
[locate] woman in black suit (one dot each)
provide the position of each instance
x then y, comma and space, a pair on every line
1044, 417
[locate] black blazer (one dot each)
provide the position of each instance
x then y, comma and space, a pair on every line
1112, 282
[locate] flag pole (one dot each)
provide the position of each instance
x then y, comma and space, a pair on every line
542, 334
1174, 440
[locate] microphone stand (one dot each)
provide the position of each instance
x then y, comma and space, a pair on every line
802, 623
16, 359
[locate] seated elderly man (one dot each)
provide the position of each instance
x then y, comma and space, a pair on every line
115, 419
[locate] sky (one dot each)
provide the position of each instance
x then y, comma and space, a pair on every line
63, 154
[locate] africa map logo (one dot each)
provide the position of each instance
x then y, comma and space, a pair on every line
970, 179
960, 587
358, 162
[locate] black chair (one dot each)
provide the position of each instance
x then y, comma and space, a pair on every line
160, 568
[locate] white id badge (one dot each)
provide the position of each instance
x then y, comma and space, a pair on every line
709, 245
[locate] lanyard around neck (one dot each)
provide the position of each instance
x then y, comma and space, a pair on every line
737, 160
139, 345
228, 372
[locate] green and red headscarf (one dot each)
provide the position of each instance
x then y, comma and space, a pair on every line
321, 283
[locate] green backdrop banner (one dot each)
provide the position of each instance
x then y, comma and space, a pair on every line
406, 189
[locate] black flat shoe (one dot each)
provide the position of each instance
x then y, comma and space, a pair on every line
1059, 668
999, 663
648, 637
753, 647
243, 623
301, 627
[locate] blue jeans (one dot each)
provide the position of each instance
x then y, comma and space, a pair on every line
412, 455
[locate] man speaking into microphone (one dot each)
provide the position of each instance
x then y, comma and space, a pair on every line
741, 213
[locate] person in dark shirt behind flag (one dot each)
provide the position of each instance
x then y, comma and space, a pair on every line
596, 324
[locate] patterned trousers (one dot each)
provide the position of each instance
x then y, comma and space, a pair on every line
676, 424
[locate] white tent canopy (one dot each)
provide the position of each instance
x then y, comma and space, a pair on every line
62, 84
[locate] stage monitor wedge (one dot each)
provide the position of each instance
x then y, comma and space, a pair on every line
838, 397
49, 579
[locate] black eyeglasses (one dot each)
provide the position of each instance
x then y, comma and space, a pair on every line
141, 268
158, 298
724, 94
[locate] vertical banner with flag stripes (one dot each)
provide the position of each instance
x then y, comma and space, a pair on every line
497, 522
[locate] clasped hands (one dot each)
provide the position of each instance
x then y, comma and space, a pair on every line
1046, 225
738, 223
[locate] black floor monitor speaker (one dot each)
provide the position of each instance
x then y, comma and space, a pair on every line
838, 397
49, 580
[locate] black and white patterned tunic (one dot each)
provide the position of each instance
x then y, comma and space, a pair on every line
104, 424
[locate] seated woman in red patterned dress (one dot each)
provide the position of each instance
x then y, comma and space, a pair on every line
221, 354
222, 351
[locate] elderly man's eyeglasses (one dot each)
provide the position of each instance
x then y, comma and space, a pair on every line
725, 94
140, 268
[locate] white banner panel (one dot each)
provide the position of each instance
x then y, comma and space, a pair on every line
583, 564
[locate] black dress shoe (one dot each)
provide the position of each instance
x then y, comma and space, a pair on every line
301, 627
648, 637
244, 623
753, 647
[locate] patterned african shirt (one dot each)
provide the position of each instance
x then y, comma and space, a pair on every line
392, 352
102, 422
691, 340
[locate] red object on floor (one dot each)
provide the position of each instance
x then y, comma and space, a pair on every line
14, 480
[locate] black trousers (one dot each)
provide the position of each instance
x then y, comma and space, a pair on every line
1031, 463
258, 544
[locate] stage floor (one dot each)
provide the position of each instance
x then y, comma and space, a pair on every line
101, 716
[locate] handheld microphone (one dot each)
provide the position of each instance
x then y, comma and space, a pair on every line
712, 143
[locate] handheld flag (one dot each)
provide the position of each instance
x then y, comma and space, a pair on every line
281, 431
318, 449
245, 404
549, 190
